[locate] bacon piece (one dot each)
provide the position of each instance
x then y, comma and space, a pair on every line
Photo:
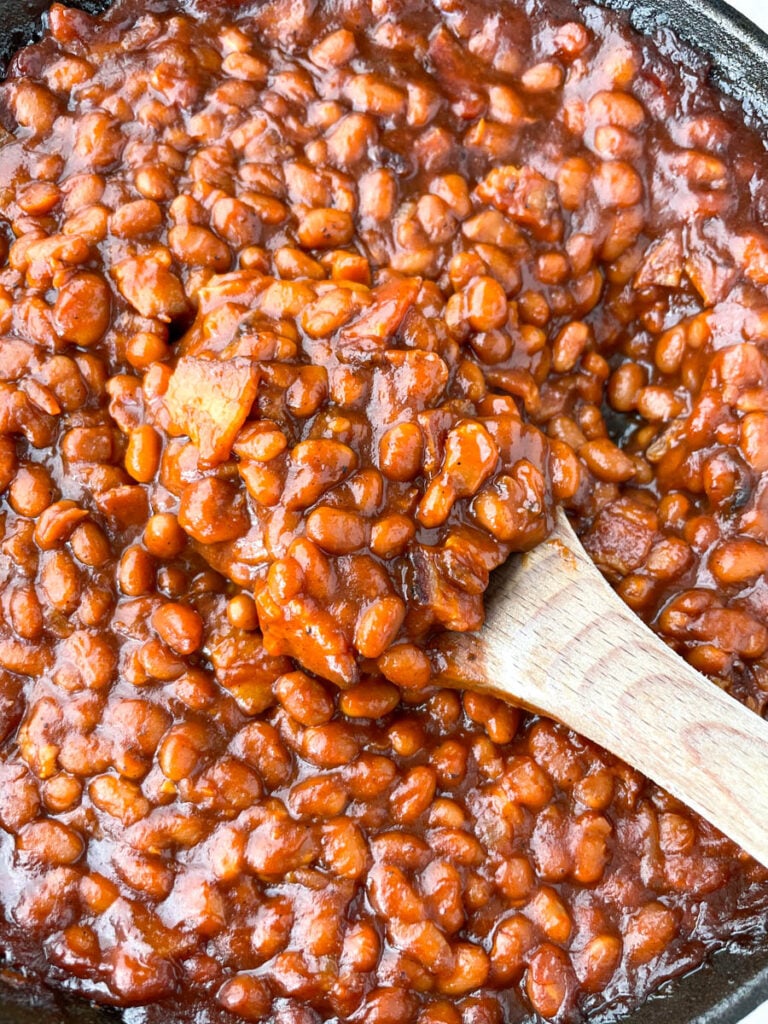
209, 400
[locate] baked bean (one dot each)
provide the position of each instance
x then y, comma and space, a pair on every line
86, 661
318, 797
26, 613
159, 662
513, 939
374, 95
179, 626
304, 698
414, 794
406, 665
738, 561
617, 184
325, 229
334, 50
181, 750
49, 842
245, 66
90, 545
486, 304
31, 490
60, 581
246, 996
236, 222
378, 625
142, 456
34, 106
8, 462
650, 929
163, 536
390, 1005
598, 962
57, 523
400, 451
329, 746
198, 247
569, 346
344, 848
369, 700
607, 461
141, 217
62, 793
335, 530
625, 385
391, 535
542, 77
658, 403
119, 798
547, 979
241, 612
155, 183
277, 846
212, 511
369, 776
470, 970
361, 947
753, 434
136, 572
377, 189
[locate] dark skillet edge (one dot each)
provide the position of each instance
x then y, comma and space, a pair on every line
22, 23
725, 989
51, 1007
734, 982
737, 47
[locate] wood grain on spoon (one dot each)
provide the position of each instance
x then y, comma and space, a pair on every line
557, 639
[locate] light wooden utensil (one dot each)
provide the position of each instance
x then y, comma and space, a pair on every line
557, 639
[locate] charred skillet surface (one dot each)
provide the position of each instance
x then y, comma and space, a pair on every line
23, 23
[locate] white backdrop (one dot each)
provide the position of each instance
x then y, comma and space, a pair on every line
757, 10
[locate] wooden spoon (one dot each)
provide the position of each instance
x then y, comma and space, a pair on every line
557, 639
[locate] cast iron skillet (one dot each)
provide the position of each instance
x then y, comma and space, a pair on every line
734, 982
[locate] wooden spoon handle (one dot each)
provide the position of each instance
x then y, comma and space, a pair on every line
559, 640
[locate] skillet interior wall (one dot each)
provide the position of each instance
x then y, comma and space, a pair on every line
725, 990
733, 984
